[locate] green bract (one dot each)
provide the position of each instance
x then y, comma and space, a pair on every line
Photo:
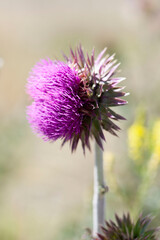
125, 229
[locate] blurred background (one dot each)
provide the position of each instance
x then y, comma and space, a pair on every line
45, 191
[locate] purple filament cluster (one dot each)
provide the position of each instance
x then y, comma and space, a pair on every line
54, 113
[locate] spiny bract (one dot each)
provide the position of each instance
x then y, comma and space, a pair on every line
125, 229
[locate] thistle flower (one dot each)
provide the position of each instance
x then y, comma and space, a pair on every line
125, 229
72, 101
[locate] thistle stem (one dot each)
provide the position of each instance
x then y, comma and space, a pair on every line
99, 191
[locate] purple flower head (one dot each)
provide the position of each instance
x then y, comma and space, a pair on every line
72, 100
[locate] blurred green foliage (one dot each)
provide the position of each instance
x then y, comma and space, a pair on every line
70, 230
142, 167
8, 230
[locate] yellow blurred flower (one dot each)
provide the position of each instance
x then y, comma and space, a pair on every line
136, 138
156, 139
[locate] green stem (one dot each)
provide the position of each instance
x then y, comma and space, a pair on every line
99, 191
